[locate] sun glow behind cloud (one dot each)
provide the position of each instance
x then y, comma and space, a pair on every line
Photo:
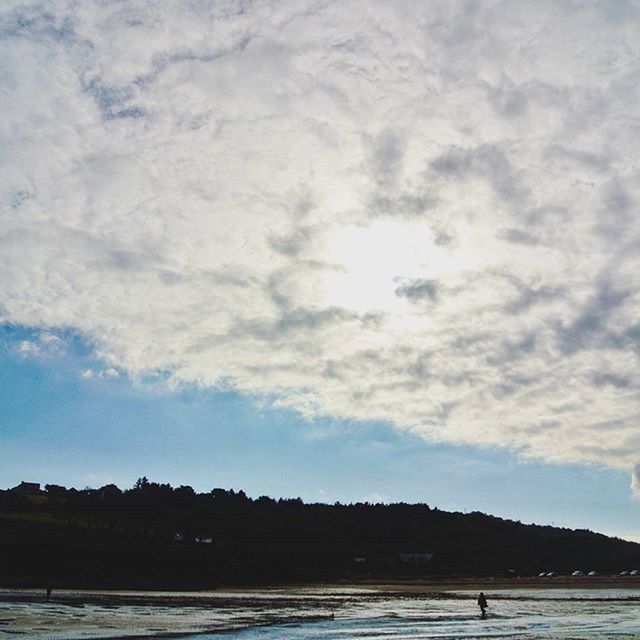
417, 213
375, 260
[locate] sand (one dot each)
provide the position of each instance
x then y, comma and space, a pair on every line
116, 614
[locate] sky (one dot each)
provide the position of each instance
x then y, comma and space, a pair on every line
340, 250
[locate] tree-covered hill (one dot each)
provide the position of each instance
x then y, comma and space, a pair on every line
156, 536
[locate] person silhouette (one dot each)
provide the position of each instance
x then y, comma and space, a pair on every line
482, 603
48, 591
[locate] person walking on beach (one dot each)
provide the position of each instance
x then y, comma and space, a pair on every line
48, 591
482, 603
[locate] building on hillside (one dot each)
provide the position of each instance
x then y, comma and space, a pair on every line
28, 488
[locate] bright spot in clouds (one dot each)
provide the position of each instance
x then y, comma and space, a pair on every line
375, 259
421, 213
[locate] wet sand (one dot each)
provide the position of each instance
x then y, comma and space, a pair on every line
117, 614
295, 592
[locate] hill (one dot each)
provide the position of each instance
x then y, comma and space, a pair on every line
155, 536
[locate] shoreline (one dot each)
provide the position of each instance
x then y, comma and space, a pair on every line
296, 592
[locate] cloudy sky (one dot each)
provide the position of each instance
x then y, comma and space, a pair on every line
339, 249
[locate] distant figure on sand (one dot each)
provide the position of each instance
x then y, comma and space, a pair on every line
48, 591
482, 603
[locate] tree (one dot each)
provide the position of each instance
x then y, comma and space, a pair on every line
141, 483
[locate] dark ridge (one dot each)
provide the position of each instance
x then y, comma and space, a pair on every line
153, 536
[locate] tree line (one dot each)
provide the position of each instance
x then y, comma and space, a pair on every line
154, 535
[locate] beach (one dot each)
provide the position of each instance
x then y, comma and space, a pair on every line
528, 608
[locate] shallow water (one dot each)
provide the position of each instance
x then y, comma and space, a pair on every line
535, 614
346, 615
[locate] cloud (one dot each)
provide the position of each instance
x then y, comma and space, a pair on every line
393, 211
418, 290
45, 345
109, 373
635, 481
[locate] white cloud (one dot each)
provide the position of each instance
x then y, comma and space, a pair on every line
27, 348
416, 212
109, 373
635, 481
45, 344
